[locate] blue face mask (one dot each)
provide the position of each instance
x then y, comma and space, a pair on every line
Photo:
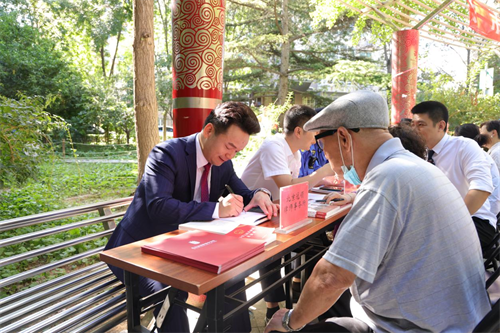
350, 174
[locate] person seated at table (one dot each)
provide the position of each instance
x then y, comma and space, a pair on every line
462, 161
276, 164
313, 158
492, 129
404, 248
471, 131
183, 181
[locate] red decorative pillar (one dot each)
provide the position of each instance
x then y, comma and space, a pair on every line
198, 49
404, 73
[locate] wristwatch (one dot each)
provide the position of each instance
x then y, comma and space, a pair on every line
265, 190
286, 320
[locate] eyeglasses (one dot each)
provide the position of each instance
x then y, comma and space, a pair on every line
327, 133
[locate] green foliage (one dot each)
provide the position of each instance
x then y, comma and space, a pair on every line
61, 185
360, 73
24, 133
464, 106
31, 64
253, 46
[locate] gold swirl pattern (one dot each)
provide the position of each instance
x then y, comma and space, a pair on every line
198, 38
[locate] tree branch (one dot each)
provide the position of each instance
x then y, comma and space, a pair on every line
300, 69
246, 5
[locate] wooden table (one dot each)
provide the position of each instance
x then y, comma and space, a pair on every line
135, 263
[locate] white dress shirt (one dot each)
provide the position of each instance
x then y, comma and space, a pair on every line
467, 167
494, 197
495, 154
273, 158
201, 161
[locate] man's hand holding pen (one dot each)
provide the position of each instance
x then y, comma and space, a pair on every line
231, 205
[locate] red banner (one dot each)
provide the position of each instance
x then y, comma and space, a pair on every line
483, 20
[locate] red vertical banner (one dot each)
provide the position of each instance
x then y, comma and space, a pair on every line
483, 20
404, 73
198, 50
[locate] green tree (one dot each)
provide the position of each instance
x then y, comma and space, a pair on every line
271, 41
30, 64
25, 129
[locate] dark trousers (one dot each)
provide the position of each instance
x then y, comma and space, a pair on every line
277, 294
485, 231
350, 325
176, 319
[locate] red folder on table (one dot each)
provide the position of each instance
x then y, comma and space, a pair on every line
212, 252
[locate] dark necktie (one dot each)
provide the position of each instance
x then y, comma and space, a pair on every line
204, 183
430, 153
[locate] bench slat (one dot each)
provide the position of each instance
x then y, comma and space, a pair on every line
56, 230
51, 248
59, 214
63, 294
105, 323
46, 311
42, 269
97, 315
51, 283
46, 295
78, 306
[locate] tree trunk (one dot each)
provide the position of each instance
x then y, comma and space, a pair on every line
388, 58
285, 57
146, 111
116, 51
103, 61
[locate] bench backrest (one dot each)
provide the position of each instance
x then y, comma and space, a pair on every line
44, 242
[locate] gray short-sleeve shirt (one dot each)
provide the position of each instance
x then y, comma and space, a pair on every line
411, 242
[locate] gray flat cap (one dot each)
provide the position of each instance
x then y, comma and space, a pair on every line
360, 109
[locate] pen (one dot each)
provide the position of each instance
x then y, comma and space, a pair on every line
229, 189
334, 199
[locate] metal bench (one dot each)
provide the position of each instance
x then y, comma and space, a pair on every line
87, 297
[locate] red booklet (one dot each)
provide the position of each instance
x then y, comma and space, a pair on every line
212, 252
254, 232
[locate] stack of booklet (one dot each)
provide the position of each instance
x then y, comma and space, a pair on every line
213, 252
318, 209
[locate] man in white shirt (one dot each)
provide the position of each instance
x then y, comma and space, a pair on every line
462, 161
404, 249
492, 129
277, 164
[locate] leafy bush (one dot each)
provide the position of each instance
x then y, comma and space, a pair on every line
24, 128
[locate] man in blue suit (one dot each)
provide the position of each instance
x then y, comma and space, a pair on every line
173, 190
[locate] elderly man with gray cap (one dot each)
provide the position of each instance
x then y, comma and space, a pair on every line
404, 249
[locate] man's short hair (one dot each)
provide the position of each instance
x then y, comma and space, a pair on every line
437, 111
297, 116
491, 125
233, 113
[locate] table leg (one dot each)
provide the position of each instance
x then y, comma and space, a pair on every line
215, 309
288, 284
133, 302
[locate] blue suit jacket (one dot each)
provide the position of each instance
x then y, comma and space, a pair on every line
164, 197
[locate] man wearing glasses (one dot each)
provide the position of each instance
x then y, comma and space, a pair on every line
404, 249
